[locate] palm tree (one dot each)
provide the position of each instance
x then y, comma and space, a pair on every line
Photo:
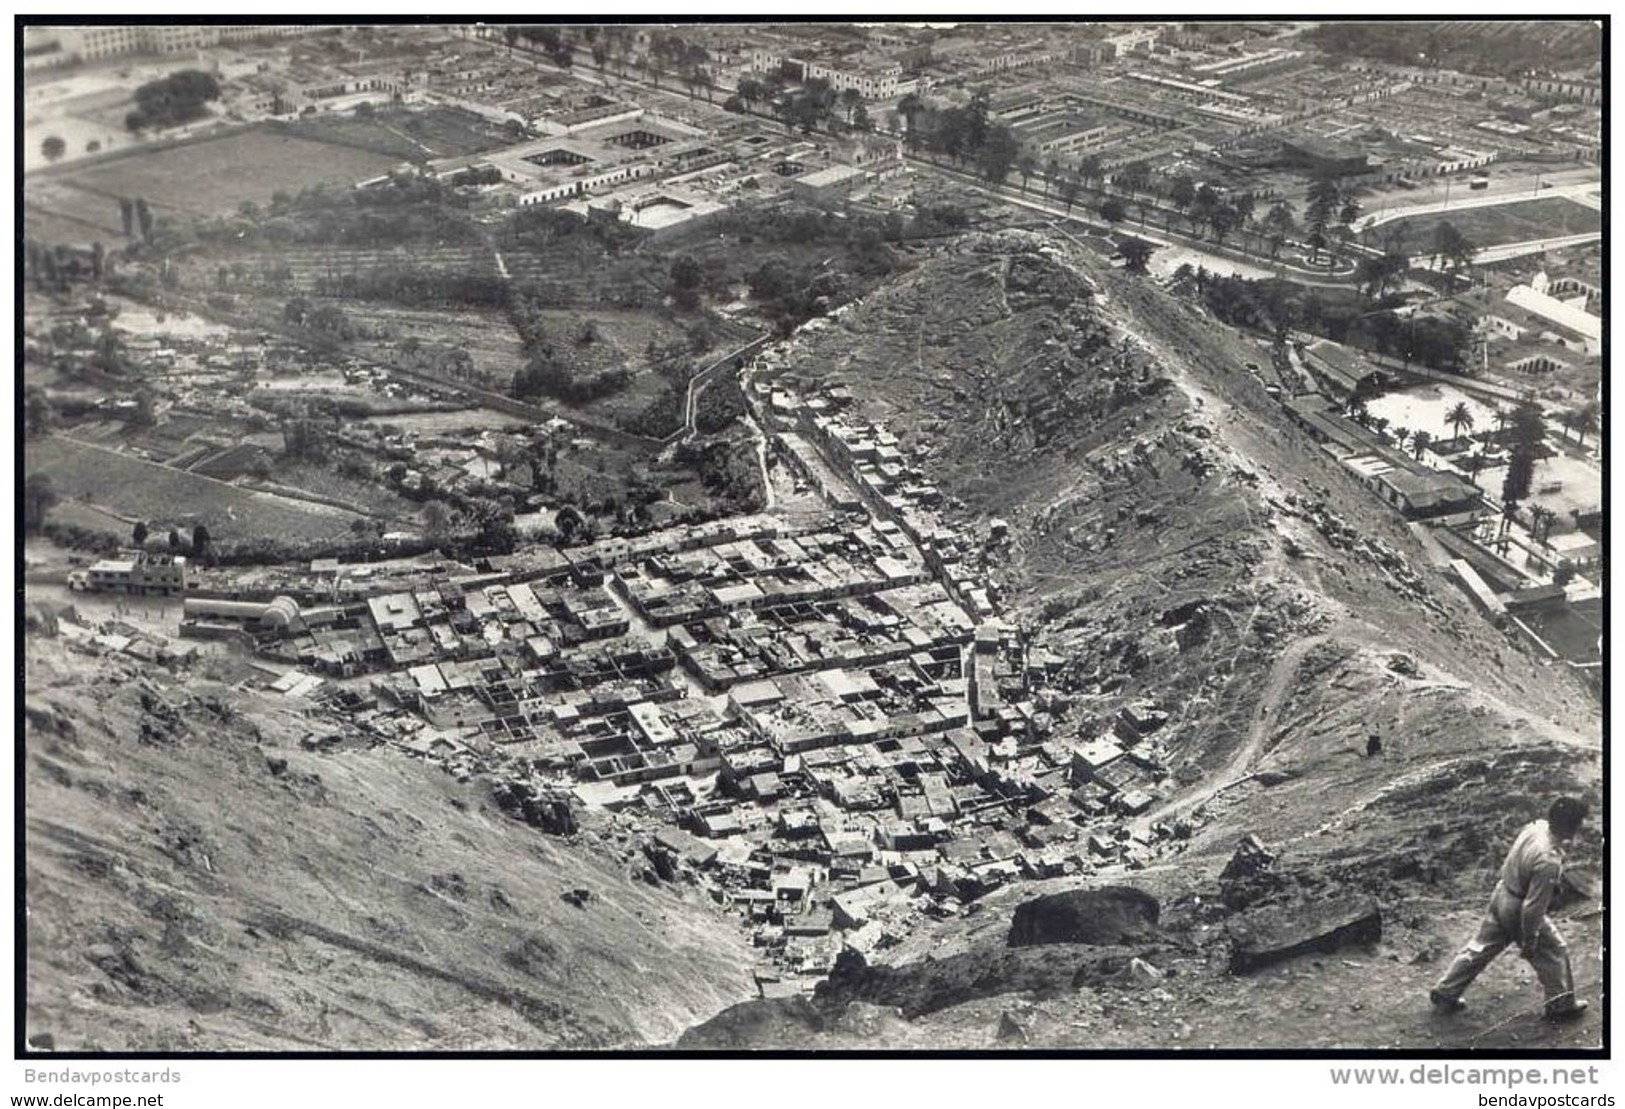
1420, 441
1459, 416
1543, 519
1401, 434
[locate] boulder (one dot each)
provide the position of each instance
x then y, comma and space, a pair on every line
1250, 876
1110, 915
1142, 973
1250, 859
1266, 936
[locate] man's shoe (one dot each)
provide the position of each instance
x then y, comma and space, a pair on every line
1571, 1012
1444, 1004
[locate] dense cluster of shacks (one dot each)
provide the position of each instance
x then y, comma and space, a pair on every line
825, 724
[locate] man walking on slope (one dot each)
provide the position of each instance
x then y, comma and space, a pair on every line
1517, 914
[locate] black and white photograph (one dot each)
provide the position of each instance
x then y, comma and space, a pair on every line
714, 538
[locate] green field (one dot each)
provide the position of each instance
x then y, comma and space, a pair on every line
204, 178
408, 134
1497, 225
132, 488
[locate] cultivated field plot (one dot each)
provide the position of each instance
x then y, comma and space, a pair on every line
324, 483
216, 175
408, 135
448, 422
486, 335
584, 276
135, 489
58, 211
1497, 225
313, 270
620, 339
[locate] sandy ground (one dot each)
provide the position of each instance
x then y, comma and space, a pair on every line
1423, 407
1561, 483
1169, 258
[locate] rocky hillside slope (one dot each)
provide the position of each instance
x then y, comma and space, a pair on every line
197, 881
1174, 538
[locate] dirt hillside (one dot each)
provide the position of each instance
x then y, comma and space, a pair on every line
197, 881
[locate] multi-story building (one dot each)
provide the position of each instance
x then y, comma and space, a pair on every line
115, 41
140, 573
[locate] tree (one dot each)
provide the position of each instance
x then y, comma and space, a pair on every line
1223, 219
1181, 193
1136, 253
1451, 247
126, 212
1376, 276
997, 153
1202, 206
1069, 189
1543, 518
1026, 165
1089, 169
1244, 204
1322, 201
860, 118
685, 279
146, 408
39, 415
1420, 441
39, 497
200, 541
569, 522
1112, 210
436, 520
53, 148
1528, 431
910, 107
143, 217
138, 535
850, 99
1459, 416
176, 543
1586, 419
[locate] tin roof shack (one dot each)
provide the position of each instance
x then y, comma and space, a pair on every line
1420, 492
1343, 372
